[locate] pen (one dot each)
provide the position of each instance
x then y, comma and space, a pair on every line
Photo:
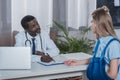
50, 56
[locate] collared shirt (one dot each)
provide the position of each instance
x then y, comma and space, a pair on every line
47, 45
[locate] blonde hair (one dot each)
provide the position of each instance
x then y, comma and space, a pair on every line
103, 21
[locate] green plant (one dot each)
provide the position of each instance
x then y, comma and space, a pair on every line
68, 44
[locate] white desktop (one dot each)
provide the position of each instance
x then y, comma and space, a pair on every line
41, 72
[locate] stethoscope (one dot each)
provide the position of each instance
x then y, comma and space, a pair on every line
30, 43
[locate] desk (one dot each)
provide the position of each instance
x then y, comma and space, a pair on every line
40, 72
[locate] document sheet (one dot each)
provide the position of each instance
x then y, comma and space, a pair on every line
59, 59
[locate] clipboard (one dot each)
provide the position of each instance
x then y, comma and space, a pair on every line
50, 63
59, 59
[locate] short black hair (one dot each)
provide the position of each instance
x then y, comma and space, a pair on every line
25, 20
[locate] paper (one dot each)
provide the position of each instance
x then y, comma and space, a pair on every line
59, 59
35, 58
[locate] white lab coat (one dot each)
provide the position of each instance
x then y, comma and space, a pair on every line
47, 44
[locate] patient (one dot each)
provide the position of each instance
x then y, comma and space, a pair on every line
102, 27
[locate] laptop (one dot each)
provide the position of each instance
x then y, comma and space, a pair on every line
15, 58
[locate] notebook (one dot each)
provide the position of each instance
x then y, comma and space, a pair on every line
15, 58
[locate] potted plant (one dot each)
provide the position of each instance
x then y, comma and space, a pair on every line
68, 44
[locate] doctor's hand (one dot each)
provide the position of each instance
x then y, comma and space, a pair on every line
46, 58
40, 53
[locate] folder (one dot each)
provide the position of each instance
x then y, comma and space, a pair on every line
50, 63
59, 59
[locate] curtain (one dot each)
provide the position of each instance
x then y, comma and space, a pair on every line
91, 7
5, 22
77, 13
73, 13
59, 11
41, 9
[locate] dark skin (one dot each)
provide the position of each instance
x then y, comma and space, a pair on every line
33, 30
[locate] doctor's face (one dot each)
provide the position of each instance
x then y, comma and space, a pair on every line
34, 27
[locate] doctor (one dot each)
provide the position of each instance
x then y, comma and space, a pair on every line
38, 40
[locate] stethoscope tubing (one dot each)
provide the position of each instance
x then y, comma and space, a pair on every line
27, 40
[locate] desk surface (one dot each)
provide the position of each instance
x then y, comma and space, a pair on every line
40, 70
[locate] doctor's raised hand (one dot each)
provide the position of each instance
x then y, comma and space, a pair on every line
39, 41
